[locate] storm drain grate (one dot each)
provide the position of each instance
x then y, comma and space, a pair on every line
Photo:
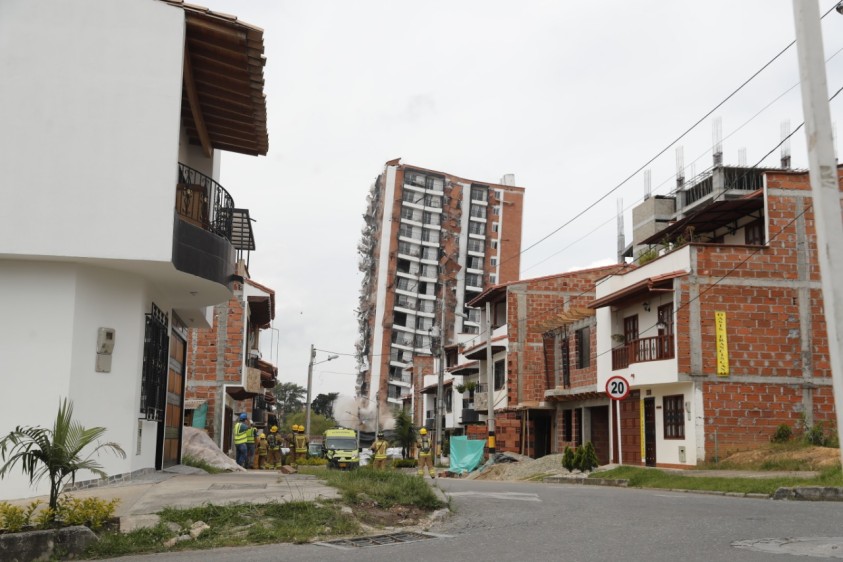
237, 487
378, 540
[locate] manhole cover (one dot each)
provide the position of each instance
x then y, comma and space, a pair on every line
237, 487
378, 540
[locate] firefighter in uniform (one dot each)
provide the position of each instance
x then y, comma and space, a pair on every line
425, 456
379, 450
262, 452
241, 430
273, 443
300, 444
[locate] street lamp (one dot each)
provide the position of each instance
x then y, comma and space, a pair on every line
310, 385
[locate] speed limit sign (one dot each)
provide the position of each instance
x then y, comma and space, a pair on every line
617, 388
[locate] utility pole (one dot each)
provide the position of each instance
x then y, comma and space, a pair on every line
440, 382
310, 386
824, 183
490, 382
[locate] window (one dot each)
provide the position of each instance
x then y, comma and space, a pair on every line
156, 346
474, 262
566, 362
432, 218
500, 374
449, 400
630, 328
474, 280
496, 210
754, 233
476, 228
674, 417
475, 246
430, 235
499, 314
434, 201
496, 227
494, 244
478, 193
408, 249
493, 279
583, 343
493, 261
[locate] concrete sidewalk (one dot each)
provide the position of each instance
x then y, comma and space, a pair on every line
182, 487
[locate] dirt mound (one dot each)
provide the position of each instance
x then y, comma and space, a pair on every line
772, 457
525, 469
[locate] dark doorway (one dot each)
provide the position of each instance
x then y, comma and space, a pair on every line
650, 431
541, 433
600, 432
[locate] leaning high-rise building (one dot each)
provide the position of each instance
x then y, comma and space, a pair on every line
431, 242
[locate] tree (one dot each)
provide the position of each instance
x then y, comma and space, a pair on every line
323, 404
405, 432
318, 423
290, 397
55, 453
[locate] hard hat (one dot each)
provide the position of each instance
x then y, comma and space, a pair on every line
380, 433
243, 416
423, 431
273, 429
296, 427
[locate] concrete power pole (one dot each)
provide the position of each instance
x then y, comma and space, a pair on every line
824, 183
490, 382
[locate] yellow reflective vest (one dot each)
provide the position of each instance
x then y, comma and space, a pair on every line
241, 433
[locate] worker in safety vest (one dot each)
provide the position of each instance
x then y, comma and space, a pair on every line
273, 443
379, 449
300, 444
250, 445
241, 431
262, 451
425, 456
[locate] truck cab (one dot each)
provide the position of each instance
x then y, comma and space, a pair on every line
341, 448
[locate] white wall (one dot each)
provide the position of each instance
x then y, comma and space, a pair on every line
667, 450
47, 344
90, 103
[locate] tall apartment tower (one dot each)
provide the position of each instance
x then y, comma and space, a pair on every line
431, 243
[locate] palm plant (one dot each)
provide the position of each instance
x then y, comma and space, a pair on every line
405, 432
55, 453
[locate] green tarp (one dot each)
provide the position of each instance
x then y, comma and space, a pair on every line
466, 454
199, 415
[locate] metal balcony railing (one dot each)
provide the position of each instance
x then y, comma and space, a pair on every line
642, 350
203, 202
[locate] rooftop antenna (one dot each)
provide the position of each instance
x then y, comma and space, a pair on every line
648, 187
717, 140
785, 160
680, 167
621, 238
742, 156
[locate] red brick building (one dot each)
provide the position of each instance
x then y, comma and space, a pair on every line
721, 334
431, 242
530, 321
225, 372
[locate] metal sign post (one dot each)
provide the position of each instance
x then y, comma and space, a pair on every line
617, 388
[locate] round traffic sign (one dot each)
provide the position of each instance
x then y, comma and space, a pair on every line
617, 388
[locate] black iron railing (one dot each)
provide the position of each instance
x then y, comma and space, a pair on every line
203, 202
641, 350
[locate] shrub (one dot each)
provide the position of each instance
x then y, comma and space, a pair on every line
815, 435
782, 434
91, 512
568, 458
587, 457
404, 463
13, 518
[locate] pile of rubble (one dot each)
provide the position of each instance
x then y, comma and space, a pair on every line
512, 466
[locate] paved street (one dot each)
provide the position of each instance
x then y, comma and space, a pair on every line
525, 521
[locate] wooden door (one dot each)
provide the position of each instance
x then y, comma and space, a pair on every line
175, 402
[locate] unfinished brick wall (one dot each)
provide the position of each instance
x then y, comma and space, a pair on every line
214, 358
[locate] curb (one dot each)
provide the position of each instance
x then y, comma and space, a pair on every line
810, 493
613, 482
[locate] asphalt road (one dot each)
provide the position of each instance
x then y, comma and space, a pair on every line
526, 521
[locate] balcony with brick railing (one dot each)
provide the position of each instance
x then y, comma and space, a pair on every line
656, 348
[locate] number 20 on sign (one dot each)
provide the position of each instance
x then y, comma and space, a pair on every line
617, 388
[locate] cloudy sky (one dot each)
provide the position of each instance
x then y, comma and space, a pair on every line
571, 97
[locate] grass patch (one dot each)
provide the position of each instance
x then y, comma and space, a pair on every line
387, 488
232, 525
639, 477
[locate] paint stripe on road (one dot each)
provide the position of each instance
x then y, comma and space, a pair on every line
516, 496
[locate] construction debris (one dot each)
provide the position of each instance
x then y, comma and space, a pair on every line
197, 444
